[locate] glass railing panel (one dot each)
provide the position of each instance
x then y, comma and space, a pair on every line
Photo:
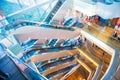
6, 66
103, 33
32, 13
67, 69
56, 62
51, 12
28, 72
9, 7
35, 51
48, 10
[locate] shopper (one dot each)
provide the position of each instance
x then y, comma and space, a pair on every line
114, 35
88, 21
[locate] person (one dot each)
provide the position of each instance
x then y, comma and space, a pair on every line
80, 40
96, 19
103, 54
114, 35
119, 37
77, 55
117, 27
61, 22
103, 28
88, 21
85, 39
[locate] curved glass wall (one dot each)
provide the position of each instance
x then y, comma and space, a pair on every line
28, 10
11, 6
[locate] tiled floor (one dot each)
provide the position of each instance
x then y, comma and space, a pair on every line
79, 74
103, 34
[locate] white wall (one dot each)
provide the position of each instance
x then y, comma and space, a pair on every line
103, 10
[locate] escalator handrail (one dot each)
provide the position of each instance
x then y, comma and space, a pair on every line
53, 8
58, 27
46, 11
39, 48
9, 56
17, 23
27, 78
59, 71
56, 61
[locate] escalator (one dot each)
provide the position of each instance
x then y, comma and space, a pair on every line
52, 42
49, 45
28, 71
53, 67
24, 24
35, 51
52, 45
57, 66
64, 71
55, 63
11, 68
69, 22
53, 11
60, 64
